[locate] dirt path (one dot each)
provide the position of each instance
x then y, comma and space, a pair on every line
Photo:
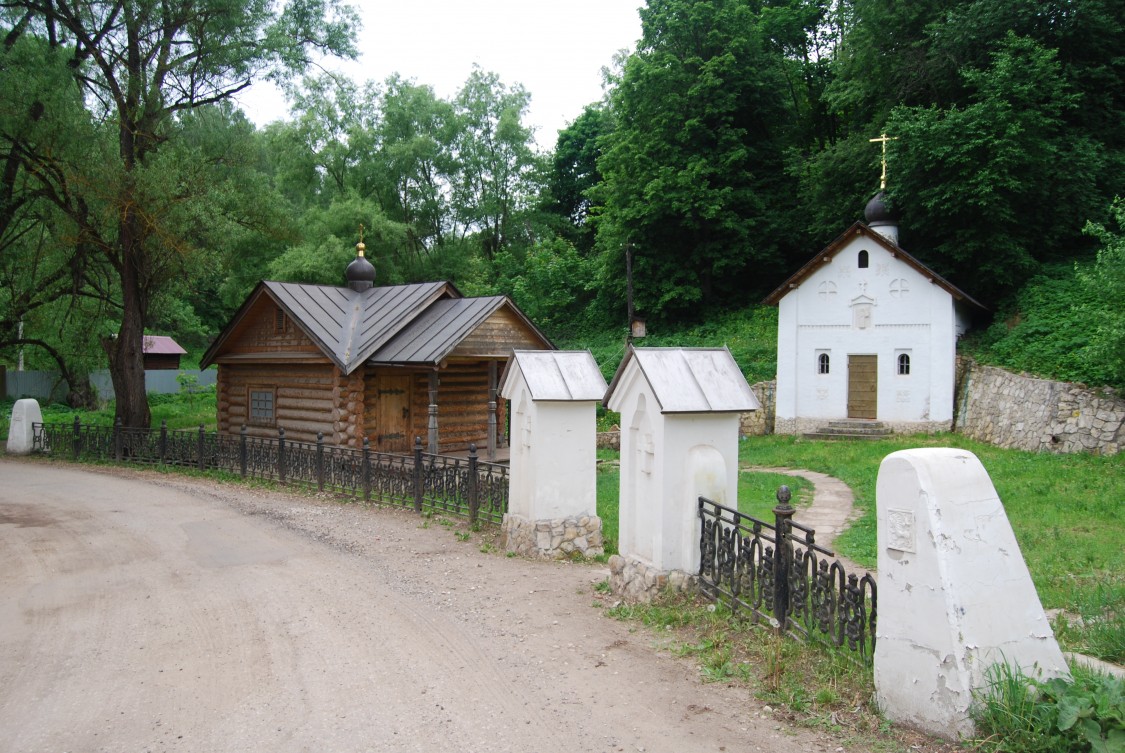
148, 612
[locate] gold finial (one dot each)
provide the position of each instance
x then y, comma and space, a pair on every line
884, 138
359, 247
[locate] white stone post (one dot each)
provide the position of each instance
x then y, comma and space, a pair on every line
955, 596
552, 497
680, 412
21, 435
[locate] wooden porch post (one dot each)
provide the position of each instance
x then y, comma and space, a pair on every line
433, 425
492, 410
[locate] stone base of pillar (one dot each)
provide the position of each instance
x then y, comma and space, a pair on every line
560, 538
637, 581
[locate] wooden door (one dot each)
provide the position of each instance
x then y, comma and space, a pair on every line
392, 414
863, 386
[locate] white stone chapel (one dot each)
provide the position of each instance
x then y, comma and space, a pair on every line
867, 333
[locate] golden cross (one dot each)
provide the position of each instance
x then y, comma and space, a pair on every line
884, 139
361, 224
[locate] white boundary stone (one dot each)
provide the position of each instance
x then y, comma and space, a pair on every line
21, 434
955, 595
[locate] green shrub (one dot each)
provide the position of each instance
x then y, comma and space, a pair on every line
1015, 714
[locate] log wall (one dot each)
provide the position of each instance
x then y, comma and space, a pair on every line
303, 399
498, 335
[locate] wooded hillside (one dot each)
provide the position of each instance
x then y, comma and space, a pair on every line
733, 143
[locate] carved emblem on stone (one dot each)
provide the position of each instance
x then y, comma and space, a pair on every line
900, 530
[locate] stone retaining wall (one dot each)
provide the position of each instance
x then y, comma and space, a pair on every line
992, 405
552, 539
1022, 412
609, 440
636, 581
758, 423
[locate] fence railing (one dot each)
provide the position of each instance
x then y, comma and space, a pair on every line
466, 487
779, 574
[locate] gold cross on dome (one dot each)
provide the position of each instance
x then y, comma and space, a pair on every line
884, 138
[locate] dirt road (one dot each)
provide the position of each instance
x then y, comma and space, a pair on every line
149, 612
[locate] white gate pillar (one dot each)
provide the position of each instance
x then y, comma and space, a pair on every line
680, 412
552, 495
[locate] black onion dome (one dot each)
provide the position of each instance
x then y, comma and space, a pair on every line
360, 272
878, 209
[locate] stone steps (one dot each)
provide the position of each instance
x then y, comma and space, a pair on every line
850, 429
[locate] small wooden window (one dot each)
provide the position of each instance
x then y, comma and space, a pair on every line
864, 259
261, 404
904, 364
822, 363
280, 322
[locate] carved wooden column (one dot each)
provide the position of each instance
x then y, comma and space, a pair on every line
222, 380
433, 421
339, 407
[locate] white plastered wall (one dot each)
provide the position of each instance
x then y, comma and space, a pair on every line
552, 450
908, 314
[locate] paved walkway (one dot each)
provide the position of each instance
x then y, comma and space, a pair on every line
832, 508
831, 512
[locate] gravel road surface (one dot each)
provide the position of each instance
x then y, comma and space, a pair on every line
142, 611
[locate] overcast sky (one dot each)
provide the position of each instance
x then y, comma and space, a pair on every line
555, 48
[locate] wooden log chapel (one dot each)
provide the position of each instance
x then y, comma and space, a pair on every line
386, 363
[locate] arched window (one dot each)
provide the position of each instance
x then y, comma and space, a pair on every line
822, 363
863, 259
904, 364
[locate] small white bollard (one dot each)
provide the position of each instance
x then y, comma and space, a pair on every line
21, 434
955, 596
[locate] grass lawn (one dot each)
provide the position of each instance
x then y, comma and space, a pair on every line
181, 411
1067, 511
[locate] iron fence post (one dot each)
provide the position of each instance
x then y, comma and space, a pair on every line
163, 446
782, 515
366, 469
200, 461
281, 454
77, 437
320, 461
473, 486
117, 439
242, 451
417, 474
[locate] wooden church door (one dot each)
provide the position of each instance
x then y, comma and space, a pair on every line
863, 386
392, 414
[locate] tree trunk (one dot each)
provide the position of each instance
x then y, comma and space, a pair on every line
126, 353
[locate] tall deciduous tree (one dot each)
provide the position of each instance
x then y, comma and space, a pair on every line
692, 171
138, 64
498, 170
995, 187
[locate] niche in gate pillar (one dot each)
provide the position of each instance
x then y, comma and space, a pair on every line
552, 500
680, 411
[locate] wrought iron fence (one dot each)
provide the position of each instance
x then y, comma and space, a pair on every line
465, 487
779, 574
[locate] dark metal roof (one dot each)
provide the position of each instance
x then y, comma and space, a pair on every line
433, 335
419, 324
350, 325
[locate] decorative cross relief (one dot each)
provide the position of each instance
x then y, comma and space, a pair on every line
648, 453
899, 288
826, 289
